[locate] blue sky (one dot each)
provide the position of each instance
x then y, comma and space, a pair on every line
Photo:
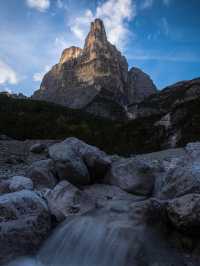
162, 37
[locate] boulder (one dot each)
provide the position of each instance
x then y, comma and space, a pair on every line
82, 148
24, 221
103, 194
38, 148
182, 178
97, 165
184, 213
132, 175
65, 200
69, 164
17, 183
4, 186
193, 150
42, 173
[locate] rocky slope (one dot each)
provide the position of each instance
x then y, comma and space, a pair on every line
178, 108
94, 76
167, 99
146, 207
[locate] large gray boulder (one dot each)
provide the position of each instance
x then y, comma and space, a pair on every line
102, 194
43, 174
78, 162
182, 178
184, 213
82, 148
69, 165
132, 175
65, 200
193, 150
24, 221
17, 183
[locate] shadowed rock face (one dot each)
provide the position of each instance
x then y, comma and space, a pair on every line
81, 75
140, 85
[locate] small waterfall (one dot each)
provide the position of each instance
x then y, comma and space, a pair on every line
86, 241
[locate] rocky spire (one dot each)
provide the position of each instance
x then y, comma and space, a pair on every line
97, 35
93, 77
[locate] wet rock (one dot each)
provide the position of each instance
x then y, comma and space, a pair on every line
184, 213
17, 183
103, 194
43, 174
65, 200
193, 150
131, 175
182, 178
24, 221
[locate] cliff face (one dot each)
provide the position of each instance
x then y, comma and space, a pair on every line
83, 75
140, 86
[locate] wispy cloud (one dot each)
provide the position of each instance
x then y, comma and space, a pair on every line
145, 4
176, 56
165, 26
7, 74
40, 5
37, 77
115, 14
166, 2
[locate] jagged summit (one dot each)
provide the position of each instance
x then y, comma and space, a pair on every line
91, 78
97, 35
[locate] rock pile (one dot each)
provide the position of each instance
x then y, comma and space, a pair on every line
152, 197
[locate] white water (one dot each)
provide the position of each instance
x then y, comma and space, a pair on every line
85, 241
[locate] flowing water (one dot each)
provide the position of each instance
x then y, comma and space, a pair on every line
85, 241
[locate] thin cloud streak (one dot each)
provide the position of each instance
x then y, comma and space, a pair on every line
39, 5
115, 13
172, 58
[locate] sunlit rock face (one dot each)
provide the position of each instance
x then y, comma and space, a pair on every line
70, 54
82, 75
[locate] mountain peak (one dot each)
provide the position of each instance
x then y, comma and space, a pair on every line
98, 26
94, 77
97, 34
